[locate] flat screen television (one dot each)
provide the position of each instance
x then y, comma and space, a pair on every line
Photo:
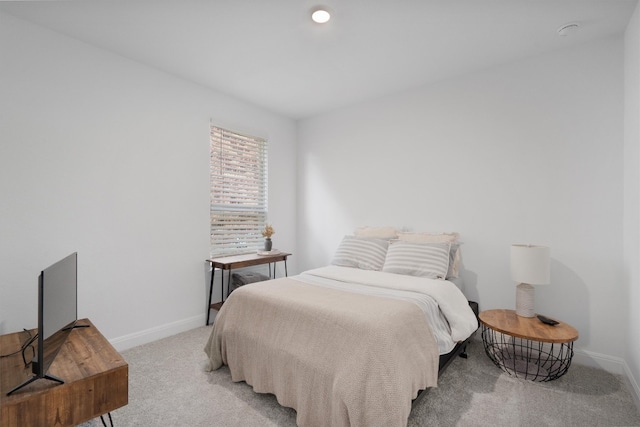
57, 315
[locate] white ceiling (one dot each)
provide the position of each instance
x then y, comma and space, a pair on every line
270, 53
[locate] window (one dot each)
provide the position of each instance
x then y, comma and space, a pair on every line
238, 192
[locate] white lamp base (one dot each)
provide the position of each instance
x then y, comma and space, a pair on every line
525, 300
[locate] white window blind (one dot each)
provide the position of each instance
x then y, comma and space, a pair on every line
238, 192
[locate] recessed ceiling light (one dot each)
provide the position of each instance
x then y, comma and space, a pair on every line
320, 16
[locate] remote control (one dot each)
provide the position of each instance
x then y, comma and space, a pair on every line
546, 320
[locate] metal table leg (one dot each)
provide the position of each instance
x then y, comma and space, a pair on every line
228, 283
213, 272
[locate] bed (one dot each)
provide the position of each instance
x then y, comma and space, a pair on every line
343, 346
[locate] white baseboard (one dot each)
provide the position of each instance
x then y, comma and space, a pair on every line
633, 385
156, 333
611, 364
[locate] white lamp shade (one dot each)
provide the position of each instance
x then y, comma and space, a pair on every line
531, 264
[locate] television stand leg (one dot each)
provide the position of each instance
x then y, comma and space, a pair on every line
32, 379
29, 381
52, 378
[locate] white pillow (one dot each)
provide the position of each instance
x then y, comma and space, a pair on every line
418, 259
428, 237
360, 252
377, 232
454, 251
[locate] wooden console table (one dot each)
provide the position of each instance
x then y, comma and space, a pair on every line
96, 381
239, 261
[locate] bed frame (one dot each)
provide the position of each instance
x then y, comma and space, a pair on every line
445, 359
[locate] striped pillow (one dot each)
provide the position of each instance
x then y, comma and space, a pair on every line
362, 253
418, 259
454, 250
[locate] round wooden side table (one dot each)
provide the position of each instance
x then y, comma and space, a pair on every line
525, 347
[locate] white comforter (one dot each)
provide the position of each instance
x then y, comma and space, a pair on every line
452, 323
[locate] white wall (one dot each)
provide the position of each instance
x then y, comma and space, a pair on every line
107, 157
528, 152
631, 239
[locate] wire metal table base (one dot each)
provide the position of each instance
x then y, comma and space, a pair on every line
527, 359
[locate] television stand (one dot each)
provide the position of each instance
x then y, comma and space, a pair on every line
96, 382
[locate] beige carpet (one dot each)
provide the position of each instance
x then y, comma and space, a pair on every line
169, 387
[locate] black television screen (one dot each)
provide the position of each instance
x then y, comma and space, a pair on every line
58, 309
57, 314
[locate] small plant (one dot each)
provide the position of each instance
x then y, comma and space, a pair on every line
268, 231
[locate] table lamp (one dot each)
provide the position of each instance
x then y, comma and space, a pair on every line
530, 265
